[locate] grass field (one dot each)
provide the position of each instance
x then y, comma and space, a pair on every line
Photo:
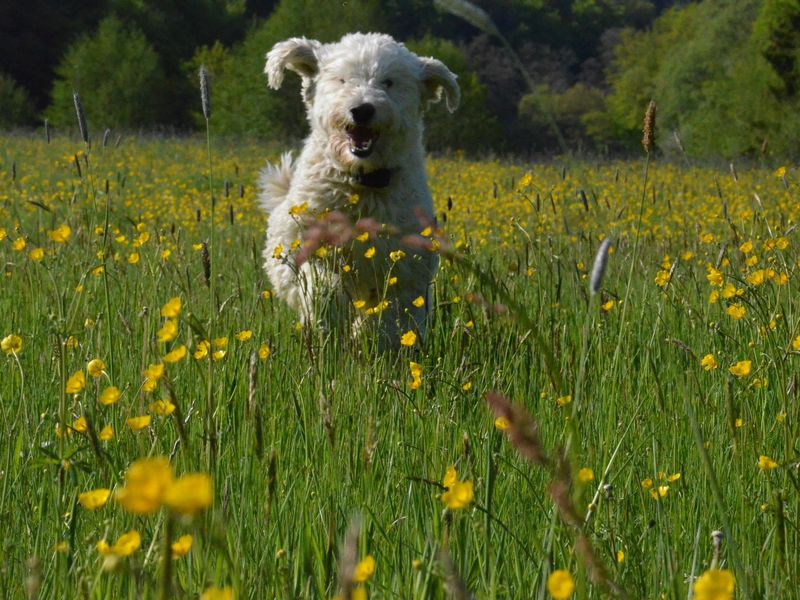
666, 405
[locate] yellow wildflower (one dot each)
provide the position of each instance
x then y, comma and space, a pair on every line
76, 383
138, 423
765, 463
12, 344
459, 493
172, 308
189, 494
94, 499
96, 367
364, 570
709, 363
409, 338
162, 408
146, 482
741, 368
560, 584
714, 584
175, 355
109, 396
181, 546
168, 332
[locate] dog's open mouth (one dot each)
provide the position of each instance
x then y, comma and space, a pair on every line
362, 140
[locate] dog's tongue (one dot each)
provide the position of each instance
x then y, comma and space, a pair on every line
361, 140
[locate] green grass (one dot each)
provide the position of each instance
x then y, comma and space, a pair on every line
385, 446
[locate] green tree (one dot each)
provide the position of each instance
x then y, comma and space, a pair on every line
16, 107
242, 102
118, 76
472, 127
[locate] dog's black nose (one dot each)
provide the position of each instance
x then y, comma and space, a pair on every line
363, 113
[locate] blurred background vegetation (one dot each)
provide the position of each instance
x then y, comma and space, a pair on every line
724, 73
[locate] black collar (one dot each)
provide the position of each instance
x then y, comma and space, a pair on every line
379, 178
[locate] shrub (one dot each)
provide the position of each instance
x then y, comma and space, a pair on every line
16, 108
472, 127
118, 76
242, 102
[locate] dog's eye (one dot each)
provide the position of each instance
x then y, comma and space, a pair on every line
387, 83
341, 81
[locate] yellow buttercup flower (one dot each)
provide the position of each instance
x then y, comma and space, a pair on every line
172, 308
60, 235
741, 368
109, 396
370, 252
736, 311
709, 363
81, 425
127, 544
168, 332
416, 375
244, 336
106, 434
564, 400
36, 254
76, 383
215, 593
138, 423
162, 408
175, 355
715, 277
714, 584
560, 584
96, 367
190, 494
94, 499
419, 302
263, 352
409, 338
364, 570
459, 493
146, 482
133, 258
181, 546
201, 350
18, 245
12, 344
585, 475
765, 463
502, 423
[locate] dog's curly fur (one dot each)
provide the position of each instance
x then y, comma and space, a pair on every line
364, 97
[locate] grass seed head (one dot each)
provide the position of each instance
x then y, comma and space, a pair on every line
205, 97
76, 98
649, 128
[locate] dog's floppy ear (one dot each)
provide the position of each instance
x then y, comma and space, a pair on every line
297, 54
436, 77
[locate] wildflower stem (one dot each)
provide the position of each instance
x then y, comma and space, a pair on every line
210, 426
166, 559
719, 500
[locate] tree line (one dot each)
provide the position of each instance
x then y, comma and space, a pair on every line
551, 75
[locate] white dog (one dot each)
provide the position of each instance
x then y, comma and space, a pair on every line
364, 96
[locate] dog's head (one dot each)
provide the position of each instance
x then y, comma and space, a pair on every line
365, 94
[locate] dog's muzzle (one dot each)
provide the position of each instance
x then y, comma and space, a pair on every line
362, 140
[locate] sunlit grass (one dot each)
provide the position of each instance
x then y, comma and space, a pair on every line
314, 432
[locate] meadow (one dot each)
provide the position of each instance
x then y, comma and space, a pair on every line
622, 429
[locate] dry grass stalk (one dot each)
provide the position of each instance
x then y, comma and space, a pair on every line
522, 431
348, 559
649, 128
81, 117
205, 97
